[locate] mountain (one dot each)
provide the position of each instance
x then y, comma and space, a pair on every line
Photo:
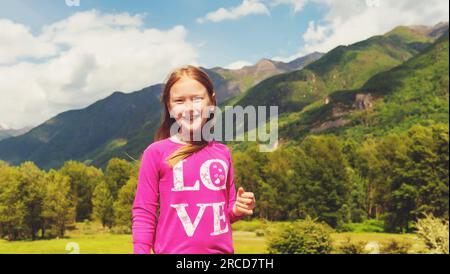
322, 97
415, 92
230, 83
433, 32
90, 132
345, 67
121, 125
6, 132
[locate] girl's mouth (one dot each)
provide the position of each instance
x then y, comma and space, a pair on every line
191, 119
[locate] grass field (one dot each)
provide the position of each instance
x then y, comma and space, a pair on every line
95, 240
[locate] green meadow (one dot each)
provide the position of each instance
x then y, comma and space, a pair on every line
93, 239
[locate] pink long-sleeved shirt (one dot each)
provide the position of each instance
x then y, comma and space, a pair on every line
195, 200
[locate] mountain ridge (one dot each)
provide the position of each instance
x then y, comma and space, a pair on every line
118, 126
98, 132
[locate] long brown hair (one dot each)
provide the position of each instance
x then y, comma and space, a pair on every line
163, 131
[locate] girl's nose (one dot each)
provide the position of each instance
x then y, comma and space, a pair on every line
189, 105
188, 112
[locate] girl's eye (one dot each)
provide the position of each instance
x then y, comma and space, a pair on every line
198, 99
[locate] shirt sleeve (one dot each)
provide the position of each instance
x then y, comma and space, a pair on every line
145, 204
231, 192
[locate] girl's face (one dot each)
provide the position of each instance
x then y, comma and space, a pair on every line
188, 104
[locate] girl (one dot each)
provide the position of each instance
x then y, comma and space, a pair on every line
193, 181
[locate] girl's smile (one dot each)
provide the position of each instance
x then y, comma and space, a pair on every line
188, 105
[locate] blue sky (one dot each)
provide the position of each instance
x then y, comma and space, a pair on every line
55, 58
250, 38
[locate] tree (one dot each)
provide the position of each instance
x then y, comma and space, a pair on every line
12, 208
402, 206
32, 186
419, 184
124, 204
103, 204
358, 196
117, 173
434, 233
83, 180
249, 170
59, 204
282, 175
428, 169
326, 186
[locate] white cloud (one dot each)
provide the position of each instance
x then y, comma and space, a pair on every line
17, 41
81, 59
250, 7
247, 7
4, 126
238, 64
349, 21
314, 32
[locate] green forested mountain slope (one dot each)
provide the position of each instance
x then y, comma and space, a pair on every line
78, 134
416, 92
345, 67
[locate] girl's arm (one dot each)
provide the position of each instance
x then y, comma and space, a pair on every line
231, 192
145, 204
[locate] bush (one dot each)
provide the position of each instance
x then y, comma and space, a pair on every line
435, 233
302, 237
367, 226
395, 247
260, 233
121, 230
349, 247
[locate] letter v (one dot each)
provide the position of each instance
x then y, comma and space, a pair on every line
189, 228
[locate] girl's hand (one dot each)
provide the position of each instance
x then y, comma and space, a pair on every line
245, 203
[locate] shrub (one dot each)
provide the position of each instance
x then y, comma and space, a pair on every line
349, 247
302, 237
260, 233
367, 226
435, 233
395, 247
121, 230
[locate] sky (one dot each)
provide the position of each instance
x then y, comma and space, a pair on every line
58, 55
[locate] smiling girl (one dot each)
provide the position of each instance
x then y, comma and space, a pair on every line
191, 180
